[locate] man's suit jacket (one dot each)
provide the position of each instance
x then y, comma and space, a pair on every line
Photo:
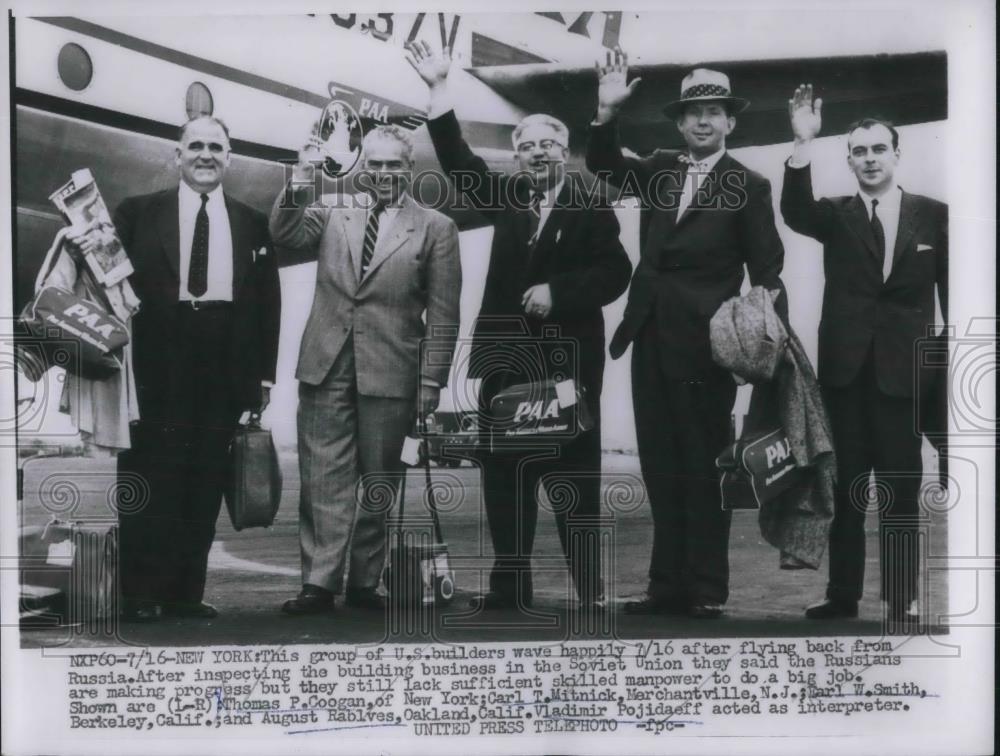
689, 267
148, 227
859, 309
415, 268
578, 254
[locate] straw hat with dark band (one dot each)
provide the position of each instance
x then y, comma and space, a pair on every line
705, 85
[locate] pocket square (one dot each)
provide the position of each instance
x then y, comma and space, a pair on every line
924, 247
262, 252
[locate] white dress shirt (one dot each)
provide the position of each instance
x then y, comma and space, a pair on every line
385, 221
888, 215
697, 172
220, 244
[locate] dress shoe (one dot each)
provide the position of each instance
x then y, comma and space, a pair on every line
190, 610
312, 599
832, 609
705, 610
495, 600
140, 611
365, 598
655, 605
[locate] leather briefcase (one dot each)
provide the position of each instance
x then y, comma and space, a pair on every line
253, 493
756, 469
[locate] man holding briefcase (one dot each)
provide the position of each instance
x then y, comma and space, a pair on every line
555, 261
205, 346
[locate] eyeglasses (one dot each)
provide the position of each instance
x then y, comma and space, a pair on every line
547, 145
214, 147
385, 165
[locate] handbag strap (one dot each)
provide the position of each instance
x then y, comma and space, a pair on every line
82, 270
95, 286
50, 258
428, 499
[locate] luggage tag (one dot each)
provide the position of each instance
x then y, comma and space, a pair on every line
411, 451
566, 393
60, 553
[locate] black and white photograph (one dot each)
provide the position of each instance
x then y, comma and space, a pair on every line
574, 381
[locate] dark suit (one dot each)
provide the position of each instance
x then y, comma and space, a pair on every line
195, 372
683, 401
867, 347
579, 256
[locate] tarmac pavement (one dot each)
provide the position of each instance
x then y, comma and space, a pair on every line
252, 572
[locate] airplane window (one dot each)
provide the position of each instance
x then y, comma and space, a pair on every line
199, 100
75, 67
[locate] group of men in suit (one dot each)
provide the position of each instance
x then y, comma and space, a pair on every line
388, 275
885, 253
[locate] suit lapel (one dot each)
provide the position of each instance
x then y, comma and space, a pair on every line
861, 224
907, 227
522, 218
241, 253
353, 222
680, 174
168, 224
394, 236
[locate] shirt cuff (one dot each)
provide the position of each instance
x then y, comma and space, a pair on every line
426, 380
267, 384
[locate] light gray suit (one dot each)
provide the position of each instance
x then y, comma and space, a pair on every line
359, 369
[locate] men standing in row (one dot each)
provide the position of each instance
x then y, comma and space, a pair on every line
704, 217
204, 344
555, 261
884, 252
384, 262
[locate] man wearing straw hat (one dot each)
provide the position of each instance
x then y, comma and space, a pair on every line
704, 216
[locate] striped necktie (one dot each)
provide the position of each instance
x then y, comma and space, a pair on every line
371, 236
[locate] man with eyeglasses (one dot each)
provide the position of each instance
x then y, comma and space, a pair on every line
555, 261
204, 346
388, 276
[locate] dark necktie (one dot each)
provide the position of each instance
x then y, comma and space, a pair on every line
371, 236
879, 233
198, 265
534, 216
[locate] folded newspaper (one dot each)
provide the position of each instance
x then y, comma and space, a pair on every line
81, 202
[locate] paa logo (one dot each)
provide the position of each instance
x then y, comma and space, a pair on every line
341, 133
777, 453
536, 411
